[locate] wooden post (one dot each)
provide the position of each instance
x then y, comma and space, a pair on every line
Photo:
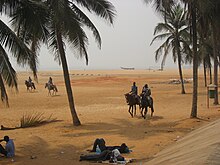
207, 96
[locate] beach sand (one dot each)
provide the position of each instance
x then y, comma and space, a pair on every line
103, 112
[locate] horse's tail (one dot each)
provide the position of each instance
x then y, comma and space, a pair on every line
55, 87
33, 86
46, 85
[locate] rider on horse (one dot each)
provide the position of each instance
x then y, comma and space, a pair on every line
30, 80
146, 92
134, 91
50, 81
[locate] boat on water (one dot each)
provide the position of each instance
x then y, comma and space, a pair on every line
125, 68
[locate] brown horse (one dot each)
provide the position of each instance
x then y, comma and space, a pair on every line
132, 101
29, 85
51, 88
146, 101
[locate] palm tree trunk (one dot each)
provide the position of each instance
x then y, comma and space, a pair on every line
210, 75
195, 62
215, 62
4, 95
180, 71
75, 118
204, 69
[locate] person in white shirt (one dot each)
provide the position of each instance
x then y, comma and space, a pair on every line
9, 150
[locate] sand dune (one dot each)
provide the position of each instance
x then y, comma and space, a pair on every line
102, 109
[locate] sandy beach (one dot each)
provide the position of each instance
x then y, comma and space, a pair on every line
103, 112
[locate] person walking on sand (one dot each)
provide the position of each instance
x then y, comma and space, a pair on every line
9, 150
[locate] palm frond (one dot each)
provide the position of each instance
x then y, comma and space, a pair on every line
163, 27
101, 8
86, 21
161, 37
6, 70
15, 46
4, 96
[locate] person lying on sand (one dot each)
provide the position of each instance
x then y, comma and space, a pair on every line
9, 150
100, 142
113, 156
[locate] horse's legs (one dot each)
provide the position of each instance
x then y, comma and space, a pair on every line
145, 112
142, 108
134, 110
152, 110
129, 110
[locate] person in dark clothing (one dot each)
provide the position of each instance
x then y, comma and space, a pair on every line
113, 156
134, 89
123, 148
104, 155
29, 80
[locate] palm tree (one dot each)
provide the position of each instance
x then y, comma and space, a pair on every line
176, 34
66, 21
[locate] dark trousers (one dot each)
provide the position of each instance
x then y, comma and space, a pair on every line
104, 155
3, 151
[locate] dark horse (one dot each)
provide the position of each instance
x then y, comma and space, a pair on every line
29, 85
146, 101
51, 88
132, 101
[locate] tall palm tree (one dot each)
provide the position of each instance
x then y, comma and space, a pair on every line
66, 22
193, 7
175, 31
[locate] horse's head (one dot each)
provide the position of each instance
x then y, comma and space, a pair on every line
127, 97
26, 82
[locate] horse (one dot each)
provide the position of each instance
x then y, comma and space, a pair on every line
51, 88
146, 101
29, 85
132, 101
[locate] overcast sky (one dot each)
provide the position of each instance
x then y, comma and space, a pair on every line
125, 44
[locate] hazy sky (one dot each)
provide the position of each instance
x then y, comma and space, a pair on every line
125, 44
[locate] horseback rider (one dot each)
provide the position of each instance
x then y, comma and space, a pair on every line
146, 92
30, 80
134, 91
50, 81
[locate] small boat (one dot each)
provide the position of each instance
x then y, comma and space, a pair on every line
127, 68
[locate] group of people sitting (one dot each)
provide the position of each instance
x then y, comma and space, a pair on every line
103, 152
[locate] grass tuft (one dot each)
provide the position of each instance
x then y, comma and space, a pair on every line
35, 119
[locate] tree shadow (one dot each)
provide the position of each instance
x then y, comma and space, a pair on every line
38, 149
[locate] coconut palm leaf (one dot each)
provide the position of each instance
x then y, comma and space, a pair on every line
101, 8
86, 21
6, 69
163, 27
161, 37
18, 49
